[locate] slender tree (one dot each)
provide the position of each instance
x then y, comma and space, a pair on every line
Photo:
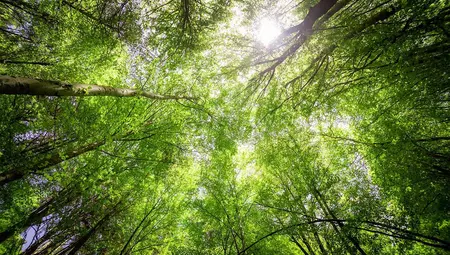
27, 86
14, 172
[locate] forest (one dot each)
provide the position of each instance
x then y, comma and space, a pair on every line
234, 127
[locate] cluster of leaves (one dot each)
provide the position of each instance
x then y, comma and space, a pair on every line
338, 143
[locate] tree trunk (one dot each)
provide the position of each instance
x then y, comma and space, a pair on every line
321, 247
43, 243
77, 245
328, 211
302, 31
27, 86
315, 12
299, 245
18, 62
89, 15
16, 173
29, 8
83, 239
124, 249
307, 244
305, 212
35, 216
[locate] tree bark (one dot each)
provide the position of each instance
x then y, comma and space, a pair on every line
83, 239
302, 30
77, 245
321, 247
30, 9
18, 62
89, 15
442, 244
16, 173
307, 244
314, 14
43, 243
327, 210
299, 245
28, 86
124, 249
305, 212
35, 216
380, 16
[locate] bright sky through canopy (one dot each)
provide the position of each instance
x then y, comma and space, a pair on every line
224, 127
268, 31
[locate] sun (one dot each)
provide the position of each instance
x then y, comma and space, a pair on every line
268, 31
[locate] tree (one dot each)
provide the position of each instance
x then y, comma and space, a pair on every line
333, 138
19, 85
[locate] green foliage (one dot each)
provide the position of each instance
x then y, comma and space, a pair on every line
333, 140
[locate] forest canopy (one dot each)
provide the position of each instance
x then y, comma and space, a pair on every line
224, 127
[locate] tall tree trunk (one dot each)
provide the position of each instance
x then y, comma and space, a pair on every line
28, 86
315, 12
293, 239
18, 62
380, 16
29, 8
33, 218
88, 15
305, 212
16, 173
76, 246
307, 244
83, 239
328, 211
302, 30
124, 249
43, 243
319, 242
